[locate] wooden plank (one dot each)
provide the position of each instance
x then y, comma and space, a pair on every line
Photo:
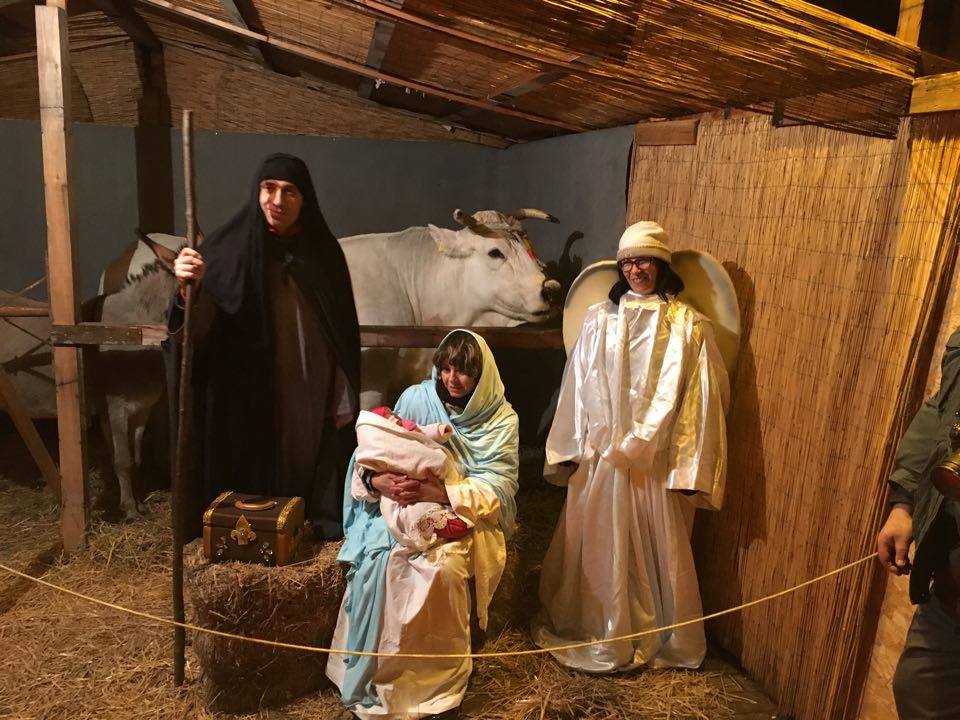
127, 19
379, 43
334, 61
370, 336
428, 336
260, 52
106, 334
936, 93
908, 24
24, 424
667, 132
53, 67
18, 311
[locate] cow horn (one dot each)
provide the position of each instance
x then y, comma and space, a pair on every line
533, 214
466, 220
471, 223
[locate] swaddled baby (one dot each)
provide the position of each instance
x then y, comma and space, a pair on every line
388, 443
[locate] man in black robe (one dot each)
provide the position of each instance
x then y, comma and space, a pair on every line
276, 371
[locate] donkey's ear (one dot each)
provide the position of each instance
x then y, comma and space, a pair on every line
165, 255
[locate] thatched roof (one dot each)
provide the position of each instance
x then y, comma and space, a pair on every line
478, 70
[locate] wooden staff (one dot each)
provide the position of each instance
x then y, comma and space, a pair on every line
183, 414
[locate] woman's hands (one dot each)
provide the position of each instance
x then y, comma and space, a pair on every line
408, 491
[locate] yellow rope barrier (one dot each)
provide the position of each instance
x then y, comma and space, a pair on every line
509, 653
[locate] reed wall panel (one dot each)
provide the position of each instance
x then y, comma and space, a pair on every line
935, 145
837, 253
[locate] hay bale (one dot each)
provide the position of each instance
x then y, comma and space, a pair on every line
297, 603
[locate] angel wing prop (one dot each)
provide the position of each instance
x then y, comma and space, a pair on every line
707, 287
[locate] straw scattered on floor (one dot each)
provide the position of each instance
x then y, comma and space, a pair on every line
62, 657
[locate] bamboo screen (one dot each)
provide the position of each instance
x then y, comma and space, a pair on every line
936, 158
836, 250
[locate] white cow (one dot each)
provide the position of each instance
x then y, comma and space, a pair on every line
484, 274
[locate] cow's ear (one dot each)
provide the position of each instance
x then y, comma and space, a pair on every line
165, 255
449, 242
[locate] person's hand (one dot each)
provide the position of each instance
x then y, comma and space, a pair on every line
189, 267
399, 488
409, 491
894, 540
432, 489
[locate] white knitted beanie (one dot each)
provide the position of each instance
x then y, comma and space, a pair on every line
644, 239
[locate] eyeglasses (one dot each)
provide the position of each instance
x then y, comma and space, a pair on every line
639, 263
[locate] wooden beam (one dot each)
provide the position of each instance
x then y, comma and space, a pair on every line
53, 66
535, 81
123, 14
428, 336
10, 399
26, 311
107, 334
379, 44
908, 24
520, 87
559, 60
261, 52
350, 66
152, 144
935, 93
530, 338
667, 132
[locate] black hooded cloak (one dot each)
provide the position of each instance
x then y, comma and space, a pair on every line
276, 365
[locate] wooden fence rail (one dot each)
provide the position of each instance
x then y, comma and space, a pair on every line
524, 338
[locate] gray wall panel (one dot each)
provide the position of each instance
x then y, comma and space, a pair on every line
363, 186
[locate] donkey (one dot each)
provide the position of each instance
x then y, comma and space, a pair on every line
127, 382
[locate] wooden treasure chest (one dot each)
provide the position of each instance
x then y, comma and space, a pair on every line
252, 528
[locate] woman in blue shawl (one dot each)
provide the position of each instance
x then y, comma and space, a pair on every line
401, 601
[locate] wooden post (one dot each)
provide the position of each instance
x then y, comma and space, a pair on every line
908, 24
53, 64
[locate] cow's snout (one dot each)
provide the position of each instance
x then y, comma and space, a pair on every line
550, 292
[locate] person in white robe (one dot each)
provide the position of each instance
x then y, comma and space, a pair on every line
401, 600
640, 422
